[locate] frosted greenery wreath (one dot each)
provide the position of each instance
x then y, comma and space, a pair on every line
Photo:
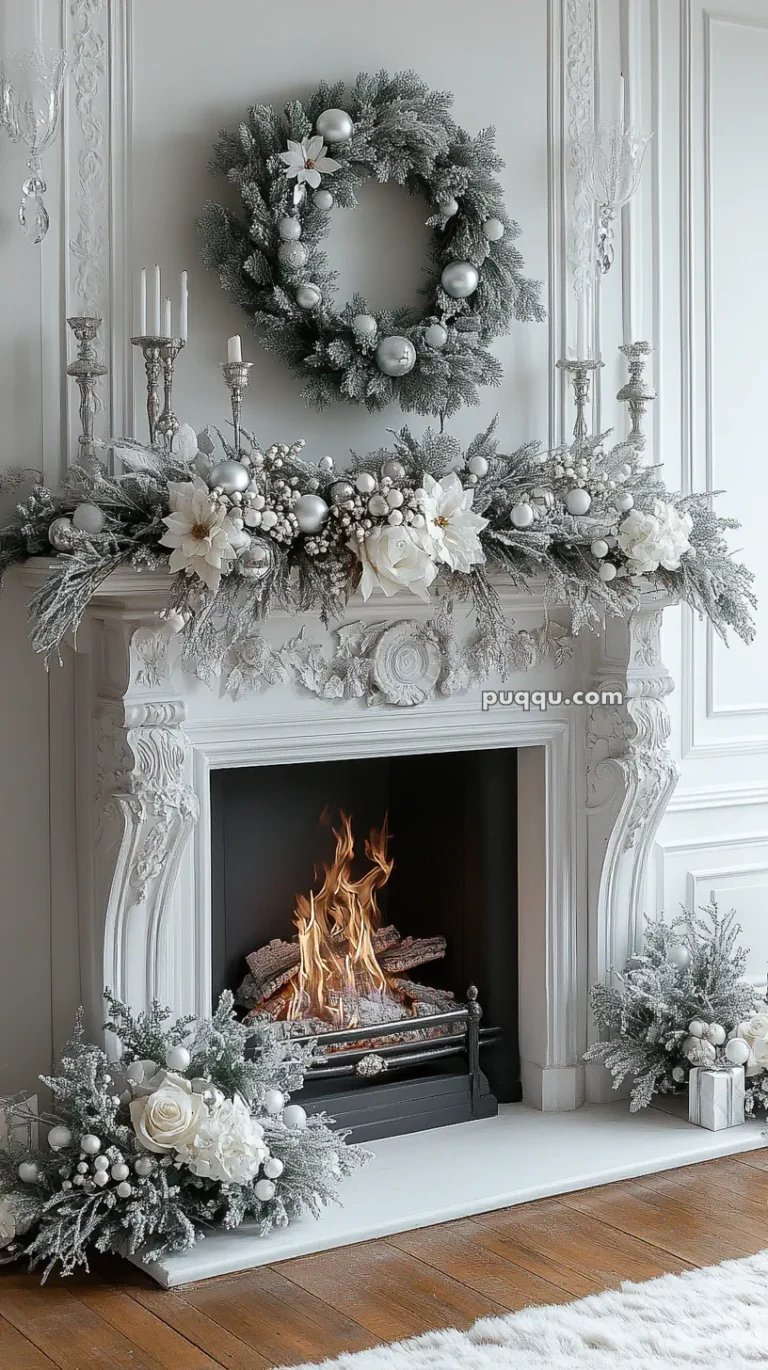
291, 172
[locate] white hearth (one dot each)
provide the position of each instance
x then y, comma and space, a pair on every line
595, 779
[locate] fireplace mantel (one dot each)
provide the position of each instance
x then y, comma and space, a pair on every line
596, 778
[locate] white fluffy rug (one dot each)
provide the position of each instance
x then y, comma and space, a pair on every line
714, 1319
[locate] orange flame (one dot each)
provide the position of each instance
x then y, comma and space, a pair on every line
336, 928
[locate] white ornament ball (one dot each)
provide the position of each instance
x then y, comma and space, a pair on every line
120, 1171
269, 520
177, 1058
364, 325
335, 126
273, 1168
365, 482
522, 516
308, 296
292, 255
289, 230
326, 463
124, 1190
274, 1101
61, 534
599, 548
323, 199
101, 1178
395, 356
59, 1137
294, 1116
311, 512
607, 571
394, 498
101, 1163
624, 503
737, 1051
395, 517
393, 469
493, 229
459, 279
341, 491
436, 336
265, 1190
28, 1172
89, 518
90, 1144
143, 1166
696, 1028
577, 502
230, 476
678, 956
377, 506
716, 1034
478, 465
448, 207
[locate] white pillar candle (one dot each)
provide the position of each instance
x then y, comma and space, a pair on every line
156, 304
235, 349
582, 343
143, 304
184, 311
167, 320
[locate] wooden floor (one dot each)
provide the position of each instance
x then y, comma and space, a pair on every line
304, 1310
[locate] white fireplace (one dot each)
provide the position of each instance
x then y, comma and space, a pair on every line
594, 780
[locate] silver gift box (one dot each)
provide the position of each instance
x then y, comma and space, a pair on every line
716, 1097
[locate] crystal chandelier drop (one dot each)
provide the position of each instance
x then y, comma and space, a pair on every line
613, 160
31, 85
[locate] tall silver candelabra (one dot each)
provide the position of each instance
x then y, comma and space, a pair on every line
168, 425
580, 376
637, 393
236, 376
86, 369
160, 355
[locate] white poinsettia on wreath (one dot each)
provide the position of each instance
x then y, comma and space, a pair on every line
306, 160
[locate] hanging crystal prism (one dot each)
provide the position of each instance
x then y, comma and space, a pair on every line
31, 85
33, 215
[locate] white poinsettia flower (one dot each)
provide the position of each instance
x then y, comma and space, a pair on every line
653, 540
199, 532
307, 160
452, 525
395, 559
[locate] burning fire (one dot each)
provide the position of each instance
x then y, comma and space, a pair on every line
336, 928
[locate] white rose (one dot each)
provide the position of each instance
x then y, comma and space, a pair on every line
395, 558
7, 1223
170, 1117
755, 1034
229, 1145
653, 540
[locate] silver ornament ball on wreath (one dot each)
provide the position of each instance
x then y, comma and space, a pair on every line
335, 126
311, 512
364, 326
89, 518
61, 534
459, 279
607, 571
341, 491
255, 561
577, 502
323, 199
599, 548
478, 465
90, 1144
493, 230
177, 1058
365, 482
522, 516
294, 1116
679, 956
264, 1190
395, 356
273, 1168
229, 476
293, 255
59, 1137
436, 336
308, 296
274, 1101
28, 1172
289, 230
393, 469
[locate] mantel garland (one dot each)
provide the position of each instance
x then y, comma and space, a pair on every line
190, 1129
242, 534
391, 128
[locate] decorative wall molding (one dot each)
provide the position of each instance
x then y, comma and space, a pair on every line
88, 73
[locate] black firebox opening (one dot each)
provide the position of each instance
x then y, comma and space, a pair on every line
453, 821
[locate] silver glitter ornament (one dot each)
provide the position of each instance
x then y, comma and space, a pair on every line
308, 296
493, 230
364, 325
293, 255
393, 469
61, 534
323, 199
335, 126
395, 356
254, 564
459, 279
311, 512
289, 230
229, 476
341, 491
436, 336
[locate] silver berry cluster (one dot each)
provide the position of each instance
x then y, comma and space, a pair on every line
257, 496
367, 500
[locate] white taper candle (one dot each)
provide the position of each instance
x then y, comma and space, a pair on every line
235, 349
184, 311
167, 319
156, 304
143, 304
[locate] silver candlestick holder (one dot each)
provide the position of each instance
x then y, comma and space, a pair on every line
638, 392
168, 425
580, 376
86, 369
152, 349
236, 375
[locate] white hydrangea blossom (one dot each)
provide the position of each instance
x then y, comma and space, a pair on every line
229, 1146
653, 540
